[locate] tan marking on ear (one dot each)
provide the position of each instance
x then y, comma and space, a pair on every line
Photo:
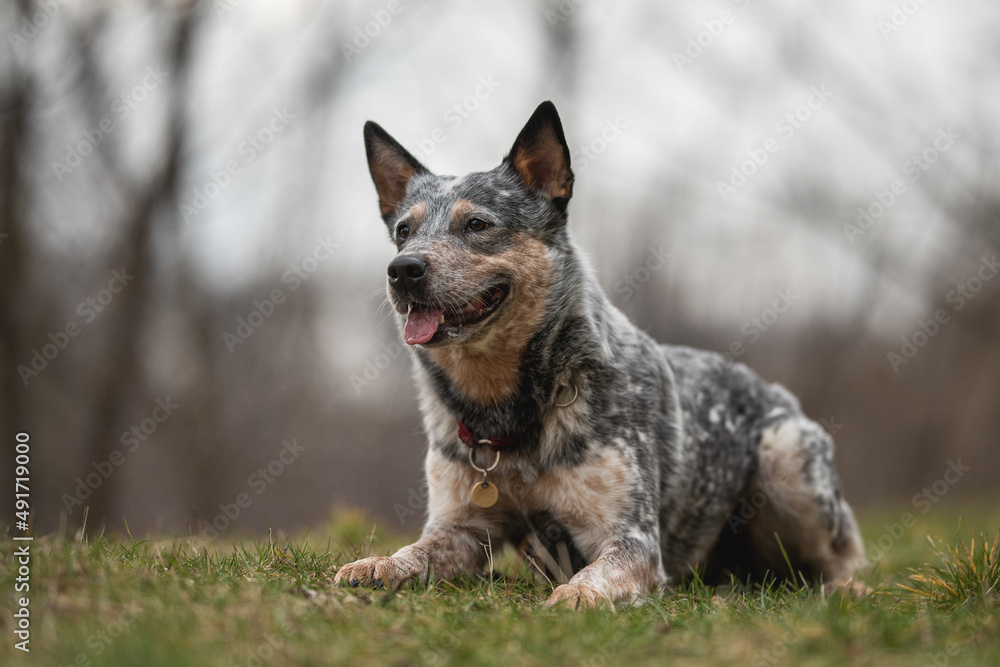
461, 209
391, 174
543, 168
489, 370
529, 167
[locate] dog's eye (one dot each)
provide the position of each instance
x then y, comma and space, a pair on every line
403, 232
477, 225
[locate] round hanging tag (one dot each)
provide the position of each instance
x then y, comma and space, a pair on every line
485, 494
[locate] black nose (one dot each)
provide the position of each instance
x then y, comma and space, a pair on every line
406, 271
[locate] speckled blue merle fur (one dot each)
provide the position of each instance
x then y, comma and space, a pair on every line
649, 473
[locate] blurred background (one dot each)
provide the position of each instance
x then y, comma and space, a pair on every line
192, 327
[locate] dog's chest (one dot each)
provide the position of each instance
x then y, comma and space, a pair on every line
581, 489
589, 494
590, 499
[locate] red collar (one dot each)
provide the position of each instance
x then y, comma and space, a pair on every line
496, 444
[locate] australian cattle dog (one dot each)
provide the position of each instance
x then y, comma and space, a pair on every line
615, 463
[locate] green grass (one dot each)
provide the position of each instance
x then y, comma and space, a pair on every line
115, 601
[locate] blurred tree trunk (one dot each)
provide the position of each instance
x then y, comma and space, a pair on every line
152, 201
14, 102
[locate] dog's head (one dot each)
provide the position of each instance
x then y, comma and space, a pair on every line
473, 252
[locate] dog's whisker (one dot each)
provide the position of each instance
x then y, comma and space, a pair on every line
376, 293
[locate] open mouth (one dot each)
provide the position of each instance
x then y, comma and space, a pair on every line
426, 323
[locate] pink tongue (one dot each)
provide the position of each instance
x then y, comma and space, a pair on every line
421, 325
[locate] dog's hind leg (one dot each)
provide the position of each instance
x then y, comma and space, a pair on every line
795, 495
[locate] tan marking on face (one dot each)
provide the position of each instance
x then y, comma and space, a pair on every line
417, 212
461, 209
489, 369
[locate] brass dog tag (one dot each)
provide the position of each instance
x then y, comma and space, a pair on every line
485, 494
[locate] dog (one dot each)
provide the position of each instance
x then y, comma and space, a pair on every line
615, 463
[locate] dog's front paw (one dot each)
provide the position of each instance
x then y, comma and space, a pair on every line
578, 596
377, 571
855, 589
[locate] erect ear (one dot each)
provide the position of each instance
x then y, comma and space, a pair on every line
391, 167
540, 156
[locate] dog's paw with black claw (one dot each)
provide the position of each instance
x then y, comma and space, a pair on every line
375, 572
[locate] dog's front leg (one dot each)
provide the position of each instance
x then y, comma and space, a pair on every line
626, 568
442, 553
452, 540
